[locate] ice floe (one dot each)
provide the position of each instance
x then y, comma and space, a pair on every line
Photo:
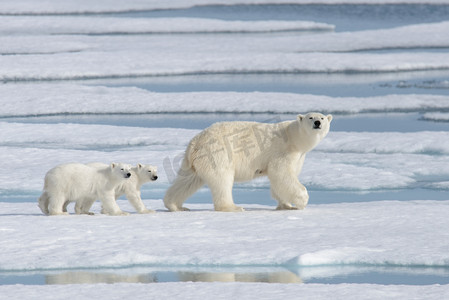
48, 99
108, 25
374, 233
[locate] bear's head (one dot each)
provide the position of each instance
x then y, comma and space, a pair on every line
121, 170
313, 128
147, 171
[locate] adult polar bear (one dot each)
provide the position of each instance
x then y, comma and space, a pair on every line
230, 152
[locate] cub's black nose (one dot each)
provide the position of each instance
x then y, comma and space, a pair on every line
317, 124
128, 175
155, 178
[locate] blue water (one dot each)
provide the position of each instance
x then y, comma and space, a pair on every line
346, 18
335, 85
373, 122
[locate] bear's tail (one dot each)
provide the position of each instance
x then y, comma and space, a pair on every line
185, 185
43, 203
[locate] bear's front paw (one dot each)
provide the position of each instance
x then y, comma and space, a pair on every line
64, 213
230, 209
285, 206
239, 209
146, 211
118, 213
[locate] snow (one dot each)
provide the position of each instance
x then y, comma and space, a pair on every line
98, 64
375, 233
436, 116
430, 35
114, 56
48, 99
194, 290
49, 51
110, 25
369, 234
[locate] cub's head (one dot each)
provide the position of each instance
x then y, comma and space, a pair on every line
315, 124
147, 172
121, 170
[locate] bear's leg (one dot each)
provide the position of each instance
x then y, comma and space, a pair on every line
286, 189
110, 206
185, 185
221, 189
56, 204
83, 205
136, 201
43, 203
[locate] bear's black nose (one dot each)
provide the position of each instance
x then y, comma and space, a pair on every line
128, 175
154, 177
317, 124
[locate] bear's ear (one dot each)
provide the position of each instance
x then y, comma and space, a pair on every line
329, 118
113, 165
299, 117
139, 166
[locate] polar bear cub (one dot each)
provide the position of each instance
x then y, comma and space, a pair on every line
75, 182
140, 175
230, 152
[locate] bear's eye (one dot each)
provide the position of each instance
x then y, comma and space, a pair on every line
311, 118
149, 171
322, 118
121, 169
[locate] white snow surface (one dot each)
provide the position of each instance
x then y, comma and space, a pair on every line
110, 56
47, 99
436, 116
358, 234
197, 290
110, 25
374, 233
53, 40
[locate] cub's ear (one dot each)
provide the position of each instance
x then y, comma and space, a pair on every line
139, 166
299, 117
113, 165
329, 118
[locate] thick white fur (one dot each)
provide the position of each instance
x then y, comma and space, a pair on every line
140, 175
82, 184
230, 152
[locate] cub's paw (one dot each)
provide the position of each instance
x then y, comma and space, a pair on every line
146, 211
118, 213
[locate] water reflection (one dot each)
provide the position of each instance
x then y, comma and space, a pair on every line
268, 277
337, 274
88, 277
